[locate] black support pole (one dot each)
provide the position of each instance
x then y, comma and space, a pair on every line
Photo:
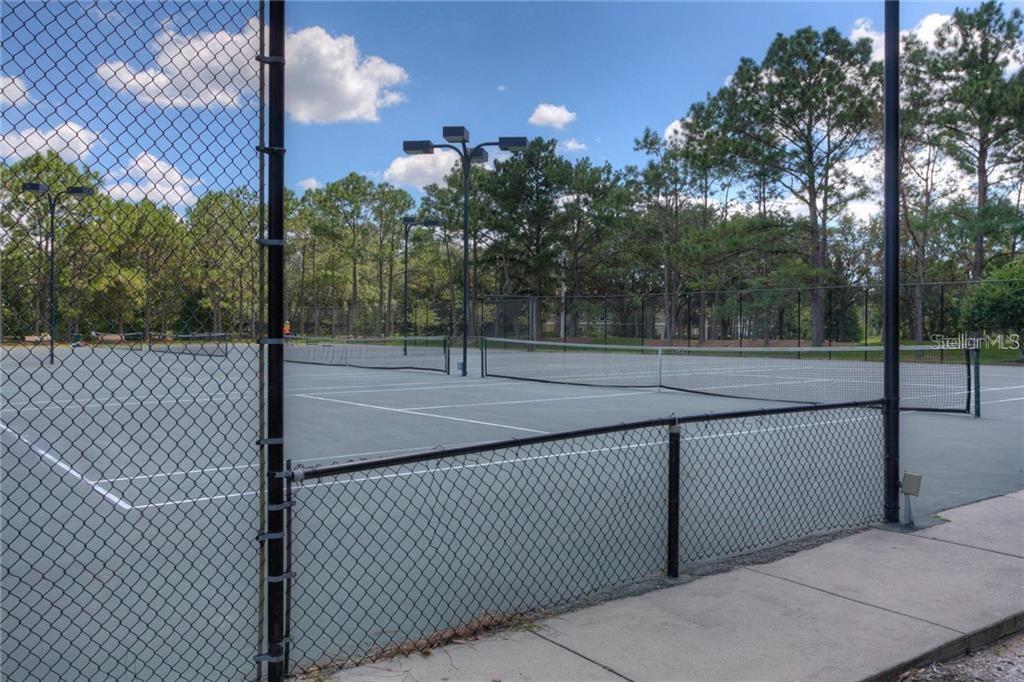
890, 333
466, 164
275, 483
51, 254
672, 554
405, 292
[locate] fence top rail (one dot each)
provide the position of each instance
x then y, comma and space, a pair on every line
300, 473
691, 292
713, 350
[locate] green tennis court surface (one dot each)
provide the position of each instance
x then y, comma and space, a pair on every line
155, 456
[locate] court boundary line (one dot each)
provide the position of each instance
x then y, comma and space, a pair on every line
420, 414
534, 400
573, 452
68, 470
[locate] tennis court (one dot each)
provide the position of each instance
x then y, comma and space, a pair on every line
343, 412
137, 446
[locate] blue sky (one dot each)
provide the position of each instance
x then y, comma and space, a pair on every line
618, 67
361, 77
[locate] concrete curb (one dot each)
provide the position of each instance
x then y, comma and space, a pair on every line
964, 644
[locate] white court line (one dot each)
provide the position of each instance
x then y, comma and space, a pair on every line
393, 390
500, 462
421, 414
568, 453
353, 455
66, 468
1006, 400
347, 386
50, 401
193, 500
131, 403
532, 400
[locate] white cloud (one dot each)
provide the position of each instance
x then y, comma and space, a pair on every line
422, 169
674, 132
502, 88
13, 92
552, 115
924, 31
573, 145
70, 140
190, 71
308, 184
148, 177
330, 81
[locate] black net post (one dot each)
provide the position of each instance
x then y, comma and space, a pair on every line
689, 319
975, 360
276, 569
799, 321
672, 562
866, 315
643, 321
890, 331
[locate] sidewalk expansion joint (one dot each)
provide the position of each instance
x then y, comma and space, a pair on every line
855, 601
585, 658
959, 544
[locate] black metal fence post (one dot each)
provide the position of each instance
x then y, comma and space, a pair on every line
689, 319
672, 563
799, 321
739, 321
605, 319
275, 513
643, 322
891, 337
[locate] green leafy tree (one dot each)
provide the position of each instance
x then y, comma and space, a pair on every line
527, 190
981, 114
997, 304
814, 94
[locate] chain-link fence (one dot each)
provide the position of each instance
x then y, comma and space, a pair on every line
424, 318
402, 554
131, 307
852, 315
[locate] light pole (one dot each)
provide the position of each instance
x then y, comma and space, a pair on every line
458, 137
410, 222
52, 201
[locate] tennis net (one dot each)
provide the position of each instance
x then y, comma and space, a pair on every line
190, 344
931, 378
215, 345
410, 352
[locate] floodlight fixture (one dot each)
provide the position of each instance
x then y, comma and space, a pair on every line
457, 139
52, 202
455, 134
418, 147
512, 144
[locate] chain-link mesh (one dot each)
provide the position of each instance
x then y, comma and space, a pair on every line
852, 315
405, 554
130, 309
752, 482
392, 557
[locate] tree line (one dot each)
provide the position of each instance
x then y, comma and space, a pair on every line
754, 188
762, 184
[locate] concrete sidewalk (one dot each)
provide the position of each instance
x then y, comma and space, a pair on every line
865, 606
